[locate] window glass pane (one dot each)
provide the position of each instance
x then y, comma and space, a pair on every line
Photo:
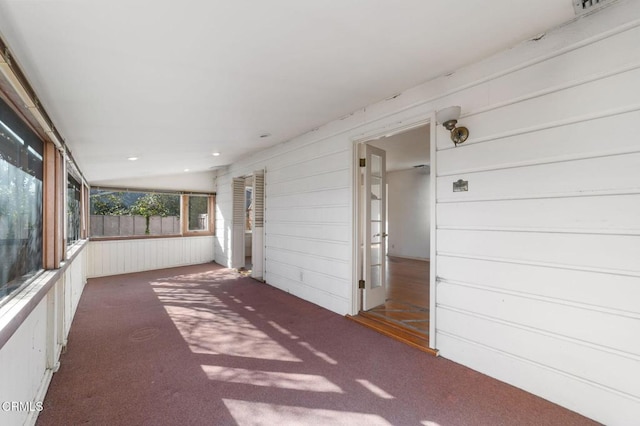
73, 210
376, 165
248, 201
123, 213
20, 202
198, 213
375, 276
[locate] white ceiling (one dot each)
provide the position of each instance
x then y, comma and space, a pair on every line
172, 82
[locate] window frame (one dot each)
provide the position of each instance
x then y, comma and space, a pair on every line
210, 216
78, 184
184, 215
14, 121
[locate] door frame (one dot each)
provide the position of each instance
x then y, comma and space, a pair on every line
370, 133
258, 250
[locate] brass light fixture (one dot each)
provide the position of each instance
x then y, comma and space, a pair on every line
449, 118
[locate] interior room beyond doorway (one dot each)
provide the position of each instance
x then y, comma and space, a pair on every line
407, 302
407, 243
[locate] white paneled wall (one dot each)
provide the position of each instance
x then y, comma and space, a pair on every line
30, 356
408, 214
134, 255
537, 264
307, 220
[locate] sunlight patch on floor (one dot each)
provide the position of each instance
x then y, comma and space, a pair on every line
374, 389
210, 326
303, 382
247, 413
319, 354
282, 329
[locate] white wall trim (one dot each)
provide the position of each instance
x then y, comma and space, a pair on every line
605, 271
577, 194
542, 366
556, 301
551, 125
535, 229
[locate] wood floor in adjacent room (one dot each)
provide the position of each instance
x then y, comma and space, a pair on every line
407, 294
405, 314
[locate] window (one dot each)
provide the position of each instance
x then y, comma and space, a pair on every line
198, 210
21, 171
73, 210
198, 213
248, 201
124, 213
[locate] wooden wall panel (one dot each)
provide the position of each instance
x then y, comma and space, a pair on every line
549, 282
594, 214
312, 183
547, 350
570, 178
569, 391
613, 53
326, 198
609, 331
537, 262
312, 231
136, 255
607, 253
585, 138
307, 219
596, 98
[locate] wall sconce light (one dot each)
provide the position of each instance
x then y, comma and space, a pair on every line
449, 118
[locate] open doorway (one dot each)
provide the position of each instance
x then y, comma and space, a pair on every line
248, 225
396, 242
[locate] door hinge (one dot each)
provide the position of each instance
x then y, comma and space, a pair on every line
361, 284
363, 162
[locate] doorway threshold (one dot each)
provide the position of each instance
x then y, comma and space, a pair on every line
402, 334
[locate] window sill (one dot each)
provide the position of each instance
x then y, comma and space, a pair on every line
151, 237
72, 249
17, 309
198, 234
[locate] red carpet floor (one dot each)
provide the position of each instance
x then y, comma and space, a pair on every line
200, 345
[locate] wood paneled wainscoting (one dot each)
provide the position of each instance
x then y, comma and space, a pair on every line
405, 314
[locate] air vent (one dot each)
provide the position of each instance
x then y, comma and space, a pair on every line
584, 6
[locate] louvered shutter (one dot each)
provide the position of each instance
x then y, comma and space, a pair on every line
237, 234
257, 243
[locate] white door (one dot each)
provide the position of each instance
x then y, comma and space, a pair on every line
238, 220
374, 224
257, 220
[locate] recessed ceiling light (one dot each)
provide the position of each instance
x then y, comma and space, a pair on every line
265, 135
216, 154
132, 158
186, 170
